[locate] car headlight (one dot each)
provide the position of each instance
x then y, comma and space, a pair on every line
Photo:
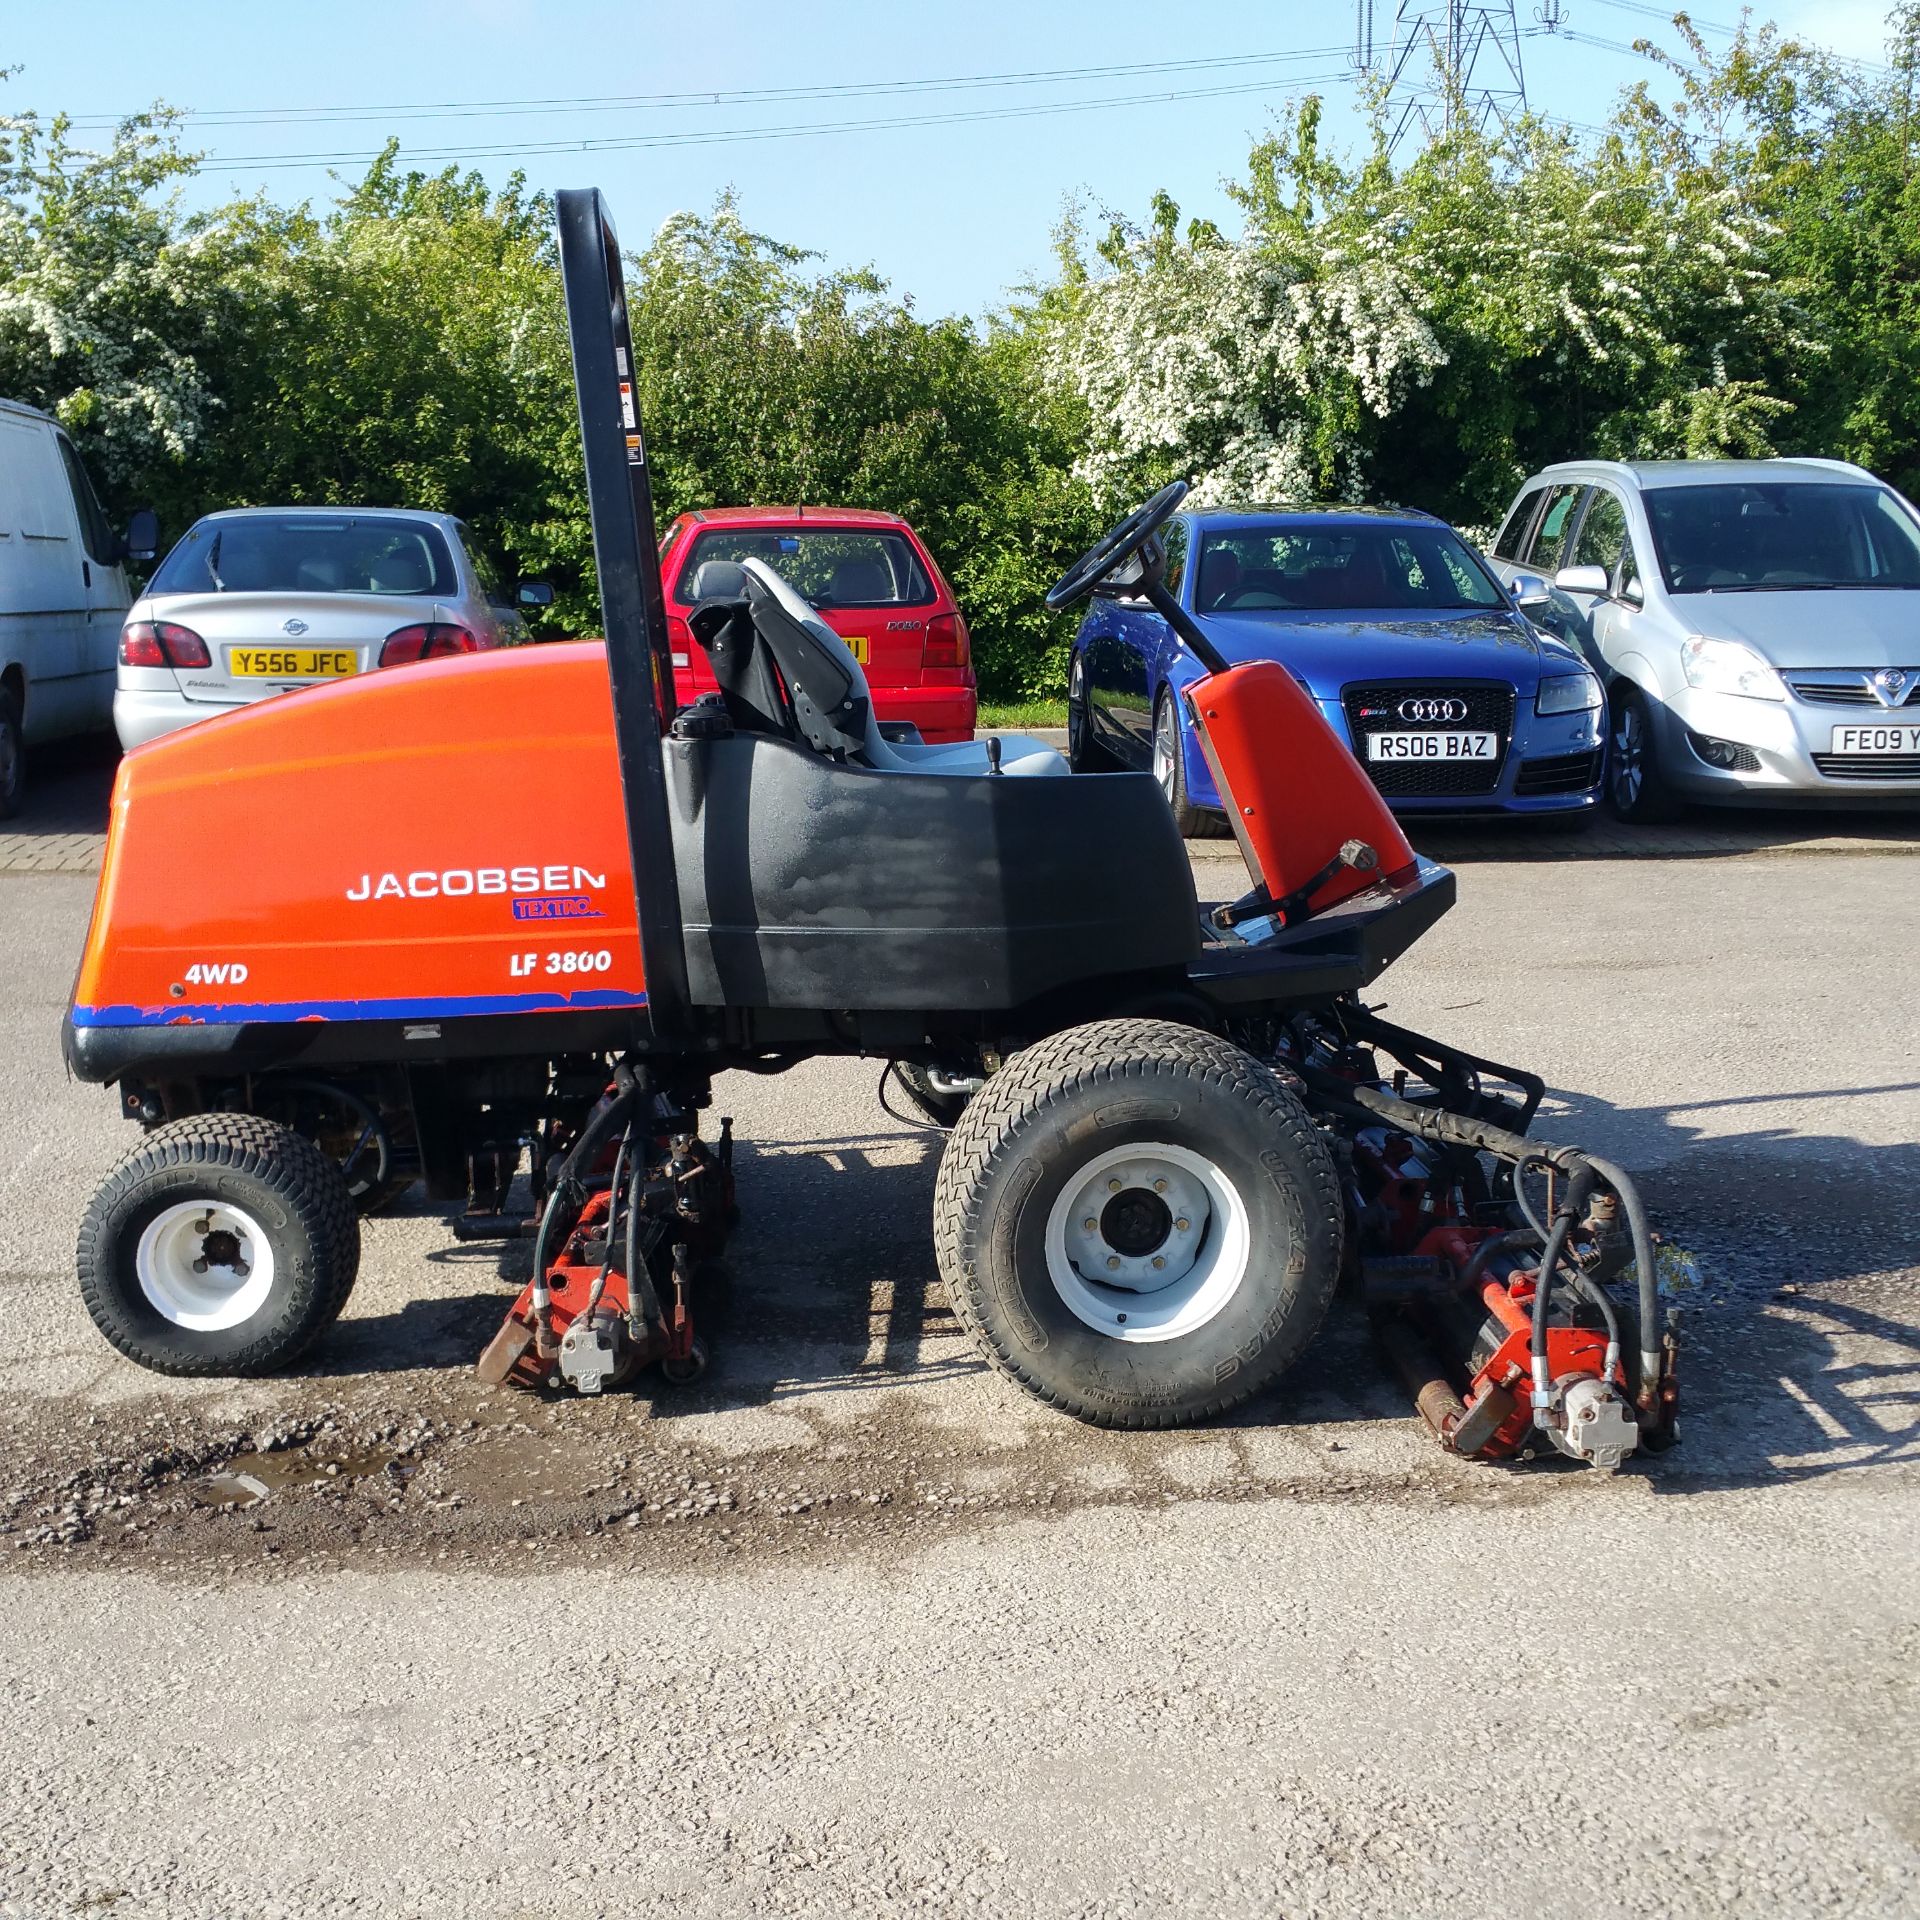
1567, 693
1727, 666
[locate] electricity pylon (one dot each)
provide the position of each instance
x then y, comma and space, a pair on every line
1447, 64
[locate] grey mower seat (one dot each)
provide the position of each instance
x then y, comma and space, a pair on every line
822, 675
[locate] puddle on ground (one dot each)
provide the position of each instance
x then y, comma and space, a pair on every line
231, 1492
248, 1479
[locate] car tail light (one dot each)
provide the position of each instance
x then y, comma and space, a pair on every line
432, 641
679, 640
946, 643
159, 643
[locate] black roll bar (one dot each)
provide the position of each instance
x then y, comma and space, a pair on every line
632, 603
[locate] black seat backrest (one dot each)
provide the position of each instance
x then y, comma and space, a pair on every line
824, 681
722, 621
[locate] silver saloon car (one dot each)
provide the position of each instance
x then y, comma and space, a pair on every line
262, 600
1757, 624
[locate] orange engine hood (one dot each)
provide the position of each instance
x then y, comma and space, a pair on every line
425, 842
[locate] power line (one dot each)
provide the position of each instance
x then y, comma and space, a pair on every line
1665, 16
694, 99
715, 136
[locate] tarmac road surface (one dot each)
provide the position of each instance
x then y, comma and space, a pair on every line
853, 1627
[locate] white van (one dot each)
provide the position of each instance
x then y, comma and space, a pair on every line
63, 595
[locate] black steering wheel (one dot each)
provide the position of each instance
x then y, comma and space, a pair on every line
1098, 561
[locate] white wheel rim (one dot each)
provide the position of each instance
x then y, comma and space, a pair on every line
1133, 1207
204, 1265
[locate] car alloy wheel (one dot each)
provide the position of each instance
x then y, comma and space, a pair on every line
1627, 763
1166, 748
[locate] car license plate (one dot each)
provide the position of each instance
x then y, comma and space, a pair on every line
1433, 745
292, 663
1900, 737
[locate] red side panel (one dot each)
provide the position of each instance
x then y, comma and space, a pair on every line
1293, 791
428, 842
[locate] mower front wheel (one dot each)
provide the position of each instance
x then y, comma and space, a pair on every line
1139, 1223
222, 1244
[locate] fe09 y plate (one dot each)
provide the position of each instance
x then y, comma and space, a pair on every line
1434, 744
1861, 736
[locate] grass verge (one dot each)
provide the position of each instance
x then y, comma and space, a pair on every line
1012, 715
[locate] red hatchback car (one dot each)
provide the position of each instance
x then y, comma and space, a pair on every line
870, 577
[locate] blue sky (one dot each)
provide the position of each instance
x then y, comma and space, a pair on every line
953, 214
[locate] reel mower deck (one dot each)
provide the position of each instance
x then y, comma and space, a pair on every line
1171, 1135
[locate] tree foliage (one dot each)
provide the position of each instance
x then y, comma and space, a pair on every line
1731, 267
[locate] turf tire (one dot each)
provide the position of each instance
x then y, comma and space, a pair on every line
284, 1182
1055, 1109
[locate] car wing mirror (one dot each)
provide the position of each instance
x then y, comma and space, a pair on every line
534, 593
1591, 580
1530, 589
143, 536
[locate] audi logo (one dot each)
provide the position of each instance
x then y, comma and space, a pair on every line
1433, 711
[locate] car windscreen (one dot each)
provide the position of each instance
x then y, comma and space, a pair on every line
309, 553
1782, 537
1383, 568
831, 566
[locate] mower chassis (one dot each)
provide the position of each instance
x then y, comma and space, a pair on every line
1159, 1167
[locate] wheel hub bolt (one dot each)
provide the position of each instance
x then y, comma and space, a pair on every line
1090, 1224
1113, 1186
1159, 1186
1113, 1260
1159, 1260
1183, 1225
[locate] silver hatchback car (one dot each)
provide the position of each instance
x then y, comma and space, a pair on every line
262, 600
1750, 618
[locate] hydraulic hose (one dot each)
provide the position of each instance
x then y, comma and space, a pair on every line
615, 1196
1579, 1190
1647, 1274
1514, 1242
1457, 1129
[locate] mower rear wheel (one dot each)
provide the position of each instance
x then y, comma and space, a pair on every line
1139, 1223
222, 1244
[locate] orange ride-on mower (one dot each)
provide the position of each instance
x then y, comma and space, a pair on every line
518, 909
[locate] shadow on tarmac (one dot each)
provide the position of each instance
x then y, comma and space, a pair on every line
1801, 1355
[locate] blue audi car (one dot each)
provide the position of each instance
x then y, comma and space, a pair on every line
1417, 655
